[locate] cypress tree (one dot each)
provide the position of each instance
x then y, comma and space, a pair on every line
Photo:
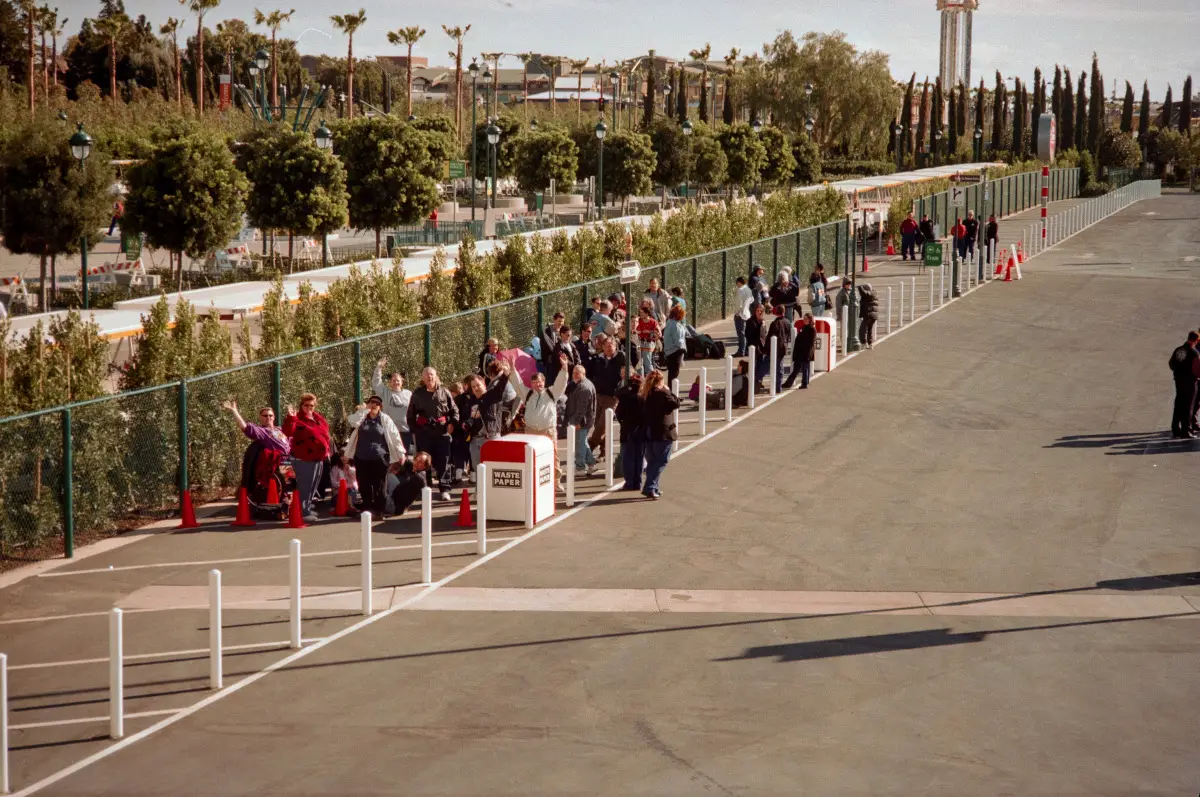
1081, 114
1018, 130
1166, 111
962, 109
1144, 112
906, 116
1095, 108
681, 99
979, 113
1066, 136
1127, 109
952, 145
648, 100
935, 113
1056, 103
923, 116
1185, 110
997, 118
727, 111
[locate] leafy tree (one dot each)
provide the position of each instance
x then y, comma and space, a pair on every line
746, 155
49, 200
544, 156
153, 350
1118, 150
1144, 112
506, 150
1185, 110
712, 167
186, 197
184, 362
477, 281
438, 133
1170, 147
673, 153
294, 186
387, 173
588, 148
1087, 169
808, 160
277, 336
1127, 109
214, 347
437, 290
628, 163
781, 163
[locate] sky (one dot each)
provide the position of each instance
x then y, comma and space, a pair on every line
1135, 40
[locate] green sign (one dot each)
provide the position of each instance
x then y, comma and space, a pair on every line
455, 170
538, 199
933, 255
131, 245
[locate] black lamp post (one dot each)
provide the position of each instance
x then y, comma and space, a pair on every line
601, 132
474, 70
81, 147
978, 145
487, 92
896, 144
687, 134
937, 147
756, 125
615, 80
493, 137
324, 138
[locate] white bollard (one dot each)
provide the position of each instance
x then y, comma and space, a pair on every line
703, 404
728, 388
294, 584
773, 366
3, 724
481, 509
844, 325
116, 675
215, 675
941, 286
901, 321
912, 314
889, 309
931, 291
608, 446
752, 354
427, 535
364, 522
675, 414
570, 468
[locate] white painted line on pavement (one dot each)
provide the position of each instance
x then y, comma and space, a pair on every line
81, 720
266, 647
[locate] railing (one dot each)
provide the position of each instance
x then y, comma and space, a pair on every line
434, 233
1002, 197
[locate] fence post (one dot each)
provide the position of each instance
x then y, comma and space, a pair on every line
570, 465
426, 535
68, 501
728, 388
481, 510
695, 292
183, 438
366, 574
3, 724
215, 671
357, 373
724, 283
837, 247
277, 388
294, 596
775, 258
817, 258
749, 261
541, 313
429, 339
703, 402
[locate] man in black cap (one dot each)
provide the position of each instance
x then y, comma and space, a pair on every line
1185, 366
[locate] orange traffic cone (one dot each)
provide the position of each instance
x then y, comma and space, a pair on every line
296, 514
187, 512
891, 250
1008, 271
273, 491
342, 508
999, 268
243, 519
465, 518
1020, 252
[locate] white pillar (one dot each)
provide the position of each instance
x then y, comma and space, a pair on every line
773, 366
531, 489
116, 675
703, 404
427, 536
751, 360
570, 468
481, 507
912, 315
941, 286
901, 324
364, 522
608, 446
675, 414
728, 388
931, 291
294, 591
215, 674
3, 724
889, 309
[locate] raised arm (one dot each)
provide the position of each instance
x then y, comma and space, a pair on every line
232, 406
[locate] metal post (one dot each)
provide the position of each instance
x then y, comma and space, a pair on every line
357, 373
941, 286
724, 284
83, 253
429, 344
695, 305
364, 522
116, 675
474, 174
294, 593
772, 367
912, 315
570, 466
931, 291
182, 416
675, 414
324, 249
215, 675
481, 509
728, 388
751, 362
426, 536
703, 401
608, 447
277, 388
68, 476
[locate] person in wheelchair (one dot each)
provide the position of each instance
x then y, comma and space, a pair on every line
266, 459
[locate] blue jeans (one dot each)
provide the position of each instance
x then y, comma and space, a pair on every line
801, 368
762, 366
818, 309
658, 453
739, 326
908, 246
647, 362
583, 452
308, 476
632, 462
778, 371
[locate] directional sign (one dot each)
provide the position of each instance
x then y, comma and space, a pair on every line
454, 170
631, 272
958, 197
973, 177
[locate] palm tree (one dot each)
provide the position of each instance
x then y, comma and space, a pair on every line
495, 59
30, 9
458, 34
200, 8
56, 29
348, 24
111, 28
171, 28
43, 27
702, 56
233, 34
274, 21
407, 36
552, 62
577, 65
525, 59
728, 111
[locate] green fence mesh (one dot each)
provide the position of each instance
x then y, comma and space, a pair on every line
710, 288
404, 350
456, 342
515, 323
30, 482
215, 445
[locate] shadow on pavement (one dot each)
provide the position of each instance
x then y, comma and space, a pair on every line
1136, 443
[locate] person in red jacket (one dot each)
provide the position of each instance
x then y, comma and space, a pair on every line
309, 432
960, 238
908, 238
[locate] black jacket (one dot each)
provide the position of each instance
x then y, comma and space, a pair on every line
552, 365
658, 415
868, 303
754, 333
629, 412
490, 422
927, 230
781, 329
412, 482
806, 343
549, 341
431, 411
606, 374
783, 294
993, 231
972, 226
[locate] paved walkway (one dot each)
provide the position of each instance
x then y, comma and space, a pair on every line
963, 563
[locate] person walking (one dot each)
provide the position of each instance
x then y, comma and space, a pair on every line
781, 331
926, 230
959, 232
868, 308
648, 335
581, 413
118, 211
1185, 367
629, 415
972, 225
373, 445
674, 343
395, 400
309, 433
541, 410
991, 238
742, 302
433, 416
908, 237
658, 422
804, 350
606, 373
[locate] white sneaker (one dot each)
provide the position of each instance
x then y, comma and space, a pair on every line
444, 496
591, 469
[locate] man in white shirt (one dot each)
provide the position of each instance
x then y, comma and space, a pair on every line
743, 300
541, 411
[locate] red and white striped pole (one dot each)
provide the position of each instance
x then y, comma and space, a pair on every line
1045, 200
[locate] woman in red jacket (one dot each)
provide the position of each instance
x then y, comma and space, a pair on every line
309, 432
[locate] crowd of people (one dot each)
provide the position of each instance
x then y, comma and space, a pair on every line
915, 235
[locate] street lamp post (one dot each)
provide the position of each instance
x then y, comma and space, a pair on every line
81, 147
615, 80
978, 145
687, 134
601, 132
756, 125
474, 70
262, 59
487, 92
493, 137
324, 139
896, 144
937, 147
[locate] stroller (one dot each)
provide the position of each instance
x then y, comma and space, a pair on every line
262, 469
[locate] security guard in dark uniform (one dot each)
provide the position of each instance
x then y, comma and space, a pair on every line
1185, 365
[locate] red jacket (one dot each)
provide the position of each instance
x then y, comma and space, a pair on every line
908, 226
310, 437
960, 231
